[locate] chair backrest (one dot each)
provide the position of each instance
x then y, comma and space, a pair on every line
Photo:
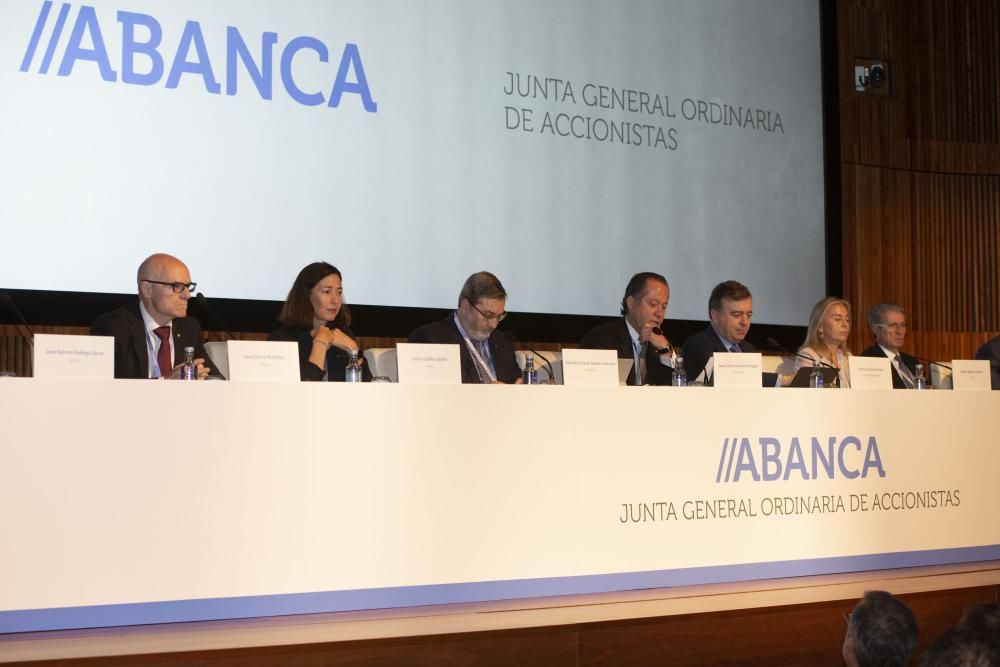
554, 358
382, 361
940, 376
782, 365
218, 352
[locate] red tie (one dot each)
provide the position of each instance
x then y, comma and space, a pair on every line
163, 355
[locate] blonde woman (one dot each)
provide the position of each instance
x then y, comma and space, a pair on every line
826, 339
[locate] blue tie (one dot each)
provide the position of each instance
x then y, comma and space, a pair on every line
484, 351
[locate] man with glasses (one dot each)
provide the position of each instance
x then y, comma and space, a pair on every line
888, 324
487, 353
637, 334
151, 333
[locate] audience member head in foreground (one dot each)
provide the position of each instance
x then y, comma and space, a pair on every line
881, 632
974, 642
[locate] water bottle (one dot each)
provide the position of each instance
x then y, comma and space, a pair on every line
530, 373
353, 371
816, 377
680, 378
919, 381
189, 372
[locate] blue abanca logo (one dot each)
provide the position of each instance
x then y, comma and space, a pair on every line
190, 57
764, 459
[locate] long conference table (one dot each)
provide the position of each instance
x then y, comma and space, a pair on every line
133, 502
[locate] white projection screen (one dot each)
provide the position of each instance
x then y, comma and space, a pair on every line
563, 145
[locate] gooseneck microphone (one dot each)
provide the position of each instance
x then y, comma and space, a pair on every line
203, 303
930, 362
548, 366
775, 345
9, 302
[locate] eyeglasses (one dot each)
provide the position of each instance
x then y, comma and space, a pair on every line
895, 326
177, 287
490, 316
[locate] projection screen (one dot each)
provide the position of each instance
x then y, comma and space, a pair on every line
562, 145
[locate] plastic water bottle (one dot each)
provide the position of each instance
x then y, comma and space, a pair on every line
189, 372
353, 371
680, 378
530, 373
816, 377
919, 381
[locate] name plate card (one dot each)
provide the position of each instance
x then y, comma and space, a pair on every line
263, 361
870, 372
590, 367
970, 374
737, 369
427, 363
65, 356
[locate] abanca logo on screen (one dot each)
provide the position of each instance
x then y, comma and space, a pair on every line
144, 51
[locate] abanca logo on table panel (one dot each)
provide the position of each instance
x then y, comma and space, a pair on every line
767, 459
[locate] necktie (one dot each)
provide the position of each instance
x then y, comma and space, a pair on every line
484, 351
163, 354
735, 348
904, 372
640, 373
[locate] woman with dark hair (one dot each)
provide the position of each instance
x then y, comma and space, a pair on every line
316, 317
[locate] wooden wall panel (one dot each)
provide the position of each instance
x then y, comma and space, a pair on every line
943, 113
930, 242
802, 634
920, 170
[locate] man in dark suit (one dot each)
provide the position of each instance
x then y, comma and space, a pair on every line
151, 333
487, 353
637, 334
990, 351
887, 322
730, 309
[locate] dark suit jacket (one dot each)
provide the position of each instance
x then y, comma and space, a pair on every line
336, 359
131, 356
990, 351
501, 349
699, 348
908, 361
614, 335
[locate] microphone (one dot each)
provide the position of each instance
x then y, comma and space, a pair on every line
203, 303
548, 366
6, 300
9, 302
929, 362
775, 345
